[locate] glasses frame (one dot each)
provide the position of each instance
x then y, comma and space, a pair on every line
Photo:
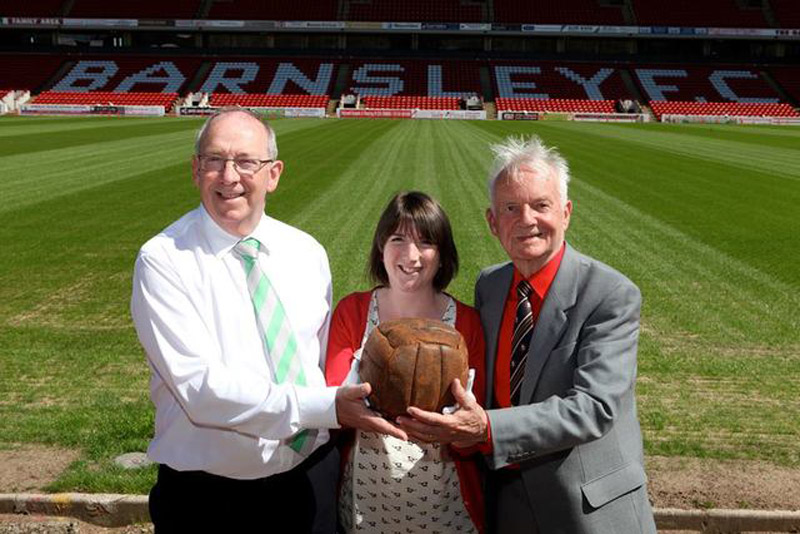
262, 163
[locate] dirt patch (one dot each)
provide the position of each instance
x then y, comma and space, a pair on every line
29, 468
34, 524
692, 483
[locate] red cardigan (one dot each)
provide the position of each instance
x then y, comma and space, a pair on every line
347, 330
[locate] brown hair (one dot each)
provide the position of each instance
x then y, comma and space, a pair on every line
414, 210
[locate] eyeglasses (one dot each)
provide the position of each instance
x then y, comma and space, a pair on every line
247, 166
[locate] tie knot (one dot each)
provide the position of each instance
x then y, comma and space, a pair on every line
524, 289
247, 248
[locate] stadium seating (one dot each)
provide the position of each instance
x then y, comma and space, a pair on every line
107, 98
558, 80
155, 74
789, 79
414, 11
786, 12
414, 78
260, 10
409, 102
712, 13
27, 71
555, 105
181, 9
269, 101
685, 83
559, 12
303, 76
733, 109
40, 8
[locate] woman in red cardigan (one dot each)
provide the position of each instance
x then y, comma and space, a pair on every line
389, 485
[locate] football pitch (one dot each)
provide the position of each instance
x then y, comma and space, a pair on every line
704, 218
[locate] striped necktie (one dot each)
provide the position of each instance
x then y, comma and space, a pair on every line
521, 340
279, 338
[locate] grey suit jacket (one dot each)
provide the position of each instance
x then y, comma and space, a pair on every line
575, 436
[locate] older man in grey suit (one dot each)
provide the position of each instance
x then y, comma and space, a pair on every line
560, 436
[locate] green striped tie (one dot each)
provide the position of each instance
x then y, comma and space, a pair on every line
279, 338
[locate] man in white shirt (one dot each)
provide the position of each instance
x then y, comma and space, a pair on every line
225, 425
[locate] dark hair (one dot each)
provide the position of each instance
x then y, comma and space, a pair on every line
415, 211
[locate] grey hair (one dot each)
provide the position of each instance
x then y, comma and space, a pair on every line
272, 144
515, 152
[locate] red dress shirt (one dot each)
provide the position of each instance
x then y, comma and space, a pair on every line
540, 281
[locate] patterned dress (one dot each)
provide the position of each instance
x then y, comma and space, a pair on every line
399, 487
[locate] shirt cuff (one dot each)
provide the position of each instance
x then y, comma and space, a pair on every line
486, 448
317, 407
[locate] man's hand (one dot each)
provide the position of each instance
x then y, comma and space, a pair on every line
352, 412
465, 427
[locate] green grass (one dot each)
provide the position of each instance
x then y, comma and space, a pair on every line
703, 218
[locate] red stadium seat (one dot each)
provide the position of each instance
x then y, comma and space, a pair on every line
687, 83
450, 79
711, 13
260, 10
269, 101
557, 80
555, 105
108, 98
409, 102
181, 9
732, 109
559, 12
416, 11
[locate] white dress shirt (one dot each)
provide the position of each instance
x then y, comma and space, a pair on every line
218, 408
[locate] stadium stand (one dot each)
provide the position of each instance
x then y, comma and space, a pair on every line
579, 83
558, 80
409, 102
155, 74
789, 80
269, 101
260, 10
713, 13
176, 9
731, 109
786, 12
555, 105
40, 8
686, 83
299, 76
104, 98
559, 12
28, 71
414, 78
414, 11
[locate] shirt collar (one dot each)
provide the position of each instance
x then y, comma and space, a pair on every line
221, 242
543, 278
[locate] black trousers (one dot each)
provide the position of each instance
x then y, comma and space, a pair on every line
302, 500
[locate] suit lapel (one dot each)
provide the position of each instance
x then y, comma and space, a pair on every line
552, 320
493, 305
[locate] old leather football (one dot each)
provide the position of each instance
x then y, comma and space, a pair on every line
412, 362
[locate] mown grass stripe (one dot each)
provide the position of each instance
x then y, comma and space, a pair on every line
777, 161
